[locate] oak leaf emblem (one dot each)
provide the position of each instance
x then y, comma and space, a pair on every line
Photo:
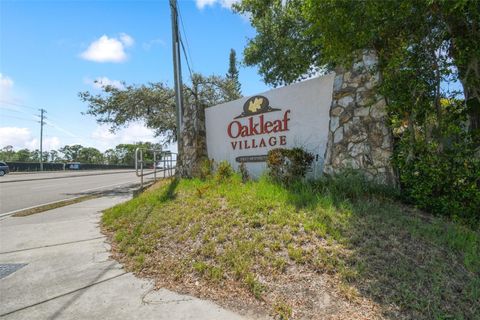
255, 105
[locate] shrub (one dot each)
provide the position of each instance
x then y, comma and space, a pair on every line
442, 179
224, 170
288, 165
206, 169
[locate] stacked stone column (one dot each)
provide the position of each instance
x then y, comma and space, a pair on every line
359, 137
194, 141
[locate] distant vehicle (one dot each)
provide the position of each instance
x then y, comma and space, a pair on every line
73, 166
3, 168
165, 165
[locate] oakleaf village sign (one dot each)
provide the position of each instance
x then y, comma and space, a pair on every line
245, 130
257, 132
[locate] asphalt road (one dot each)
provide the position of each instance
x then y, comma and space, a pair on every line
29, 190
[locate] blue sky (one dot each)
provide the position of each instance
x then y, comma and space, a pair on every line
51, 50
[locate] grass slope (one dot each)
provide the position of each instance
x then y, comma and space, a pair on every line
330, 249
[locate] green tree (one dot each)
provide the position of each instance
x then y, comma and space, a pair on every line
125, 153
54, 156
154, 103
7, 153
35, 156
110, 156
232, 75
23, 155
90, 155
71, 152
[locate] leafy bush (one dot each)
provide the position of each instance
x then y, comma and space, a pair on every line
443, 179
224, 171
288, 165
206, 169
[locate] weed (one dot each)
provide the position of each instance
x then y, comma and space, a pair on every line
224, 171
296, 254
255, 287
281, 310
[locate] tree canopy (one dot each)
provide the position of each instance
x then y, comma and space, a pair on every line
436, 38
154, 103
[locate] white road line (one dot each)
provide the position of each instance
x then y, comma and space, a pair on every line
48, 203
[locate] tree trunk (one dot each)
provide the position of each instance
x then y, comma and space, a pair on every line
465, 38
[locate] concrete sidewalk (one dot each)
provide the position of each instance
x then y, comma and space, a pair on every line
63, 271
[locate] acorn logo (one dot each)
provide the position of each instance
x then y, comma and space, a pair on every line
256, 105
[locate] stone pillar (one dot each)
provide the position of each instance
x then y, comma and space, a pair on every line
194, 141
359, 137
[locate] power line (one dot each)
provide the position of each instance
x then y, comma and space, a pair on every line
186, 59
16, 110
187, 44
11, 109
17, 104
13, 117
178, 14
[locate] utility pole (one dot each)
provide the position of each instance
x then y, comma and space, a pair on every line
177, 71
42, 117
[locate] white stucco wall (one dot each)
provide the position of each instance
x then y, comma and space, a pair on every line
308, 120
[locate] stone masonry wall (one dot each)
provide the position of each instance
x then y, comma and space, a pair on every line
358, 134
194, 143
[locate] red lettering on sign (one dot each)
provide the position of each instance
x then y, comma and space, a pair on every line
235, 129
258, 126
229, 130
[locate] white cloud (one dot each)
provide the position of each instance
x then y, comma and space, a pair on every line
21, 138
204, 3
5, 82
49, 143
126, 40
107, 49
6, 86
148, 45
135, 132
14, 136
224, 3
101, 82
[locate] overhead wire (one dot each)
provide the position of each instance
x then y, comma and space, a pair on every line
186, 39
18, 118
17, 104
186, 52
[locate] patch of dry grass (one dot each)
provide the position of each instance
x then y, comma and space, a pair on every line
336, 249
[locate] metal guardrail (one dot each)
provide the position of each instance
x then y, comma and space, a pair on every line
163, 161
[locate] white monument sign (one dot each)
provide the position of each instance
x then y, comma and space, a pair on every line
245, 130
